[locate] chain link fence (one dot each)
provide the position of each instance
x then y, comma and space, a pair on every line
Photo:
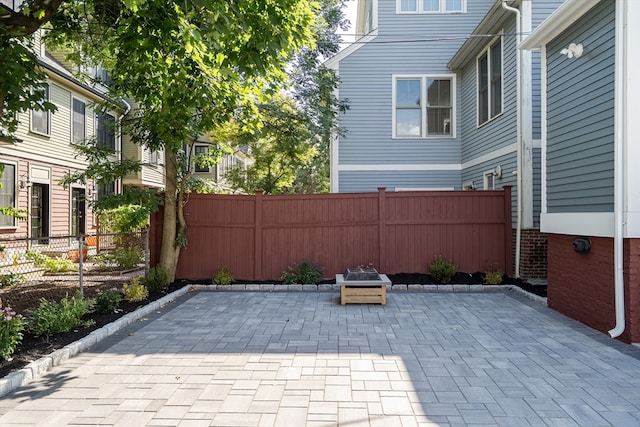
54, 266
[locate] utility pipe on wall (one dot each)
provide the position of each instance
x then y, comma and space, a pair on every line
519, 149
619, 170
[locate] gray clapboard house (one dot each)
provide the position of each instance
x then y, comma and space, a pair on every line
442, 99
590, 150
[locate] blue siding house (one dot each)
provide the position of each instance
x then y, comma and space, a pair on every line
441, 98
590, 148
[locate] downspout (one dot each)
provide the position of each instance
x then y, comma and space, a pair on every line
619, 139
519, 148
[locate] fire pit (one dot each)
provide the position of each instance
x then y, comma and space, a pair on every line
363, 285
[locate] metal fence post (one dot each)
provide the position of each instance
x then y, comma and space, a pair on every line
80, 261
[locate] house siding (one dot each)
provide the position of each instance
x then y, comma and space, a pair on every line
419, 44
580, 163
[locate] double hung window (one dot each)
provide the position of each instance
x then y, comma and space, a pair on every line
106, 131
430, 6
423, 106
79, 121
490, 82
40, 120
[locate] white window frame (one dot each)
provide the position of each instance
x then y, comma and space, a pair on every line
195, 153
16, 189
419, 9
487, 51
46, 114
73, 123
423, 104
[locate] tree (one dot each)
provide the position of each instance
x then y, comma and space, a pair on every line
298, 162
186, 66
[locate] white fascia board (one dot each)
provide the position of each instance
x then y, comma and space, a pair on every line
597, 224
401, 167
334, 62
557, 22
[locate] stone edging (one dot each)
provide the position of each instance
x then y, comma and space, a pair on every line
39, 367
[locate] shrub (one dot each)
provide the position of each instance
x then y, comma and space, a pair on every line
157, 280
127, 258
493, 277
52, 317
11, 279
442, 271
304, 273
11, 327
37, 258
108, 301
135, 291
59, 265
223, 276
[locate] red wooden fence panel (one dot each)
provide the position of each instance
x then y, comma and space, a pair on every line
259, 236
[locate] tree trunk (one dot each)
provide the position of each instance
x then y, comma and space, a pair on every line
169, 251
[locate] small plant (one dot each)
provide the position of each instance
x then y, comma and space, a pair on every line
59, 265
304, 273
52, 317
441, 270
492, 277
38, 259
223, 276
157, 280
11, 279
128, 258
11, 327
108, 301
135, 291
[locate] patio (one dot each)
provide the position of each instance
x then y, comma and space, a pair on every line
260, 359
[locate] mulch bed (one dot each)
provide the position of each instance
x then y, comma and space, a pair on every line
33, 348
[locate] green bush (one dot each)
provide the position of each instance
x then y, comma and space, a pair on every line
135, 291
223, 276
157, 280
52, 317
11, 279
11, 327
493, 277
127, 258
59, 265
38, 259
304, 273
442, 271
108, 301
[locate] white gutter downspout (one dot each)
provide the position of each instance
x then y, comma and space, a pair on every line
619, 140
518, 138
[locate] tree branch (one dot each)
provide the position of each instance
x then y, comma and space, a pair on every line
18, 24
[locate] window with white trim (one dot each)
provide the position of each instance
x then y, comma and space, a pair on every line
8, 193
200, 150
40, 120
490, 82
79, 124
430, 6
106, 131
423, 106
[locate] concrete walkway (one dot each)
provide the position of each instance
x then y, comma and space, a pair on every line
301, 359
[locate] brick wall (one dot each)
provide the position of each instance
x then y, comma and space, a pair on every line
533, 253
581, 286
632, 289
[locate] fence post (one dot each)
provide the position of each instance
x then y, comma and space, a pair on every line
80, 262
146, 251
382, 230
508, 245
257, 238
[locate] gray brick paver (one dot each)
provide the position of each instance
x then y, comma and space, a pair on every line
258, 358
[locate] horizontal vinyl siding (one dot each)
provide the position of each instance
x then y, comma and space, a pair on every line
409, 45
501, 130
580, 167
537, 186
536, 100
365, 181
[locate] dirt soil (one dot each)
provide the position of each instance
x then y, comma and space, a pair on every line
32, 348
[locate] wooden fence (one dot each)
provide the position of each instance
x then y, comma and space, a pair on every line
259, 236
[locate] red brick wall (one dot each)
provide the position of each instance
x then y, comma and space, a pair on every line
581, 286
632, 289
533, 254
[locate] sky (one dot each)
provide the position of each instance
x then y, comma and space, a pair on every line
351, 14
